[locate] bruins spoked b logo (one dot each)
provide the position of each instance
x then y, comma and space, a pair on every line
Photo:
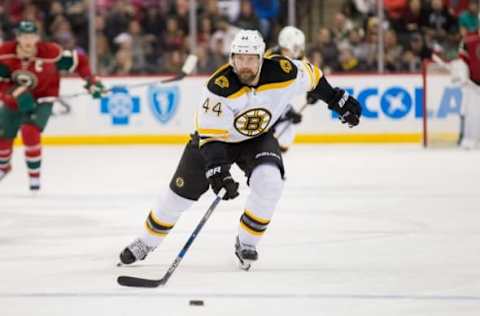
253, 122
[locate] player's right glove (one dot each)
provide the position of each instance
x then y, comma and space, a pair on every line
219, 177
95, 88
346, 106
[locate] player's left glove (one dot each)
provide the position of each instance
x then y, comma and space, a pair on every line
95, 88
219, 178
346, 106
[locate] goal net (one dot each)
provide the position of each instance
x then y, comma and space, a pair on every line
442, 106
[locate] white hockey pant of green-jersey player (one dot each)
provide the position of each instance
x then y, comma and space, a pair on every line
266, 185
471, 112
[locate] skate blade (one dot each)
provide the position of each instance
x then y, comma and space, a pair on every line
244, 264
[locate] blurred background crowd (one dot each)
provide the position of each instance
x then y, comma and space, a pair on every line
152, 36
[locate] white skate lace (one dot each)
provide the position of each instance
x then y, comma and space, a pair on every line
139, 249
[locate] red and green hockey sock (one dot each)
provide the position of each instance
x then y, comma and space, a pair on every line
6, 149
33, 149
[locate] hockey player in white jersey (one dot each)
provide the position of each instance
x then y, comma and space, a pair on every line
291, 44
242, 102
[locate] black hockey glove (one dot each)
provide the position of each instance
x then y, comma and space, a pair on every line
293, 116
346, 106
312, 97
219, 177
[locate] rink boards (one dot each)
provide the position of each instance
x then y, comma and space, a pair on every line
392, 111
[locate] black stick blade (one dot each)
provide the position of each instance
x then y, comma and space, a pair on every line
138, 282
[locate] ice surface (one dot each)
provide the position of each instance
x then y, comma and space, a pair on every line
360, 230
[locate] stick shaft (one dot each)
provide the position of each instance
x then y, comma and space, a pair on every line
290, 123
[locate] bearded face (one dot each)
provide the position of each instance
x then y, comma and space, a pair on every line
246, 67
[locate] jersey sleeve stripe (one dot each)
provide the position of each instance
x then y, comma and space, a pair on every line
239, 93
276, 85
212, 132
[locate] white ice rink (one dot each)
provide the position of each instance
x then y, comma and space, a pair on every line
360, 230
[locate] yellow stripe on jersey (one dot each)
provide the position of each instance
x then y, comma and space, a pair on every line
212, 131
317, 74
276, 85
239, 93
313, 72
258, 219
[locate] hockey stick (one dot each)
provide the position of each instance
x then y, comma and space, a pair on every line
188, 67
66, 108
447, 66
290, 122
140, 282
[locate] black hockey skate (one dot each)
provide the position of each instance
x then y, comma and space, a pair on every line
3, 173
137, 250
34, 184
246, 254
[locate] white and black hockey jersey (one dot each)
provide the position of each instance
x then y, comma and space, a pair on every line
233, 112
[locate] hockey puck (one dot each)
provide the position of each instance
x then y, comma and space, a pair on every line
196, 303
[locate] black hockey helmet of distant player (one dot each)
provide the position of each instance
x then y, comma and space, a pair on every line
248, 42
27, 27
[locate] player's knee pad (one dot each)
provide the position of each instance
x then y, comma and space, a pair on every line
266, 185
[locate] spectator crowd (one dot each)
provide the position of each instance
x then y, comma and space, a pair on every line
152, 36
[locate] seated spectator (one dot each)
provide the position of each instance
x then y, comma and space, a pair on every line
226, 32
140, 45
124, 57
174, 37
414, 54
217, 51
356, 40
173, 62
412, 21
205, 30
6, 27
438, 23
393, 51
205, 64
469, 19
395, 9
348, 62
104, 56
325, 44
247, 18
267, 12
340, 28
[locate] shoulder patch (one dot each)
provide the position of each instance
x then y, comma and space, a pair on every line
286, 65
224, 82
277, 69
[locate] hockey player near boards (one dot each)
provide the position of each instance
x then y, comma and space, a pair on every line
470, 54
291, 44
29, 82
242, 101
